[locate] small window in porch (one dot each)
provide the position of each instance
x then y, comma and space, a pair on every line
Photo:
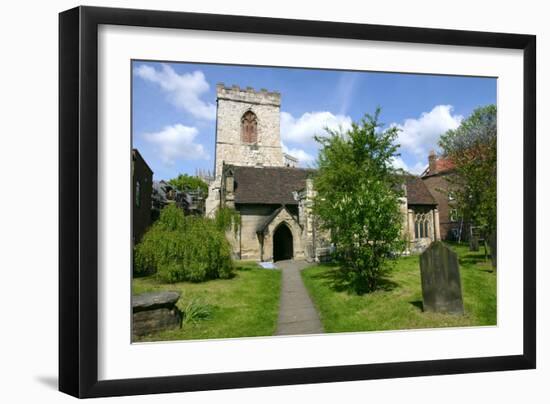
422, 225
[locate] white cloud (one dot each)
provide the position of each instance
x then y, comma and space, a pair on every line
304, 158
399, 163
418, 168
183, 90
176, 142
301, 130
419, 136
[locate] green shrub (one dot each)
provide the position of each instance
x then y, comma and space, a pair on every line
179, 248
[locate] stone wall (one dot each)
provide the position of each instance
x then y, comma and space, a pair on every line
283, 219
252, 216
316, 241
233, 102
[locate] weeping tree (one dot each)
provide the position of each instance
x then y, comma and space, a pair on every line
358, 202
473, 149
185, 182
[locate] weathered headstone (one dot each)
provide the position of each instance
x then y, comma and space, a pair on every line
440, 274
155, 311
474, 243
493, 248
419, 245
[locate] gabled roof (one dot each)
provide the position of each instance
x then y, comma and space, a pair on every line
442, 165
136, 155
268, 185
275, 186
418, 193
263, 224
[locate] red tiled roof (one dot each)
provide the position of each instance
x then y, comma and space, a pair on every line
444, 164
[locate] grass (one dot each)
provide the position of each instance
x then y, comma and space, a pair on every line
246, 305
399, 305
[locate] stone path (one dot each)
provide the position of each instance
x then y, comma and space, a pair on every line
297, 314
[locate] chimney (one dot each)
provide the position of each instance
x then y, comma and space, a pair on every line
432, 166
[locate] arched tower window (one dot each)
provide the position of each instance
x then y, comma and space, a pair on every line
249, 127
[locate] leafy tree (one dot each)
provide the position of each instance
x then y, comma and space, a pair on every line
183, 248
358, 200
185, 182
473, 149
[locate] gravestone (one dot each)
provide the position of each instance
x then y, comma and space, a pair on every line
493, 248
474, 243
155, 311
419, 245
440, 274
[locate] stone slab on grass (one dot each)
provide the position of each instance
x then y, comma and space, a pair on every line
155, 311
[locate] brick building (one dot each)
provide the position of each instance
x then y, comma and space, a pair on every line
436, 178
142, 188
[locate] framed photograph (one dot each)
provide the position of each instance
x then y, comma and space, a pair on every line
251, 202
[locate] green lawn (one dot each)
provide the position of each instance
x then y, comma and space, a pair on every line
246, 305
400, 305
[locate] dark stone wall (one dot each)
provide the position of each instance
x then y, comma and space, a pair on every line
141, 204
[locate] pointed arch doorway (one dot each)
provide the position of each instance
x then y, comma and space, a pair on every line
283, 246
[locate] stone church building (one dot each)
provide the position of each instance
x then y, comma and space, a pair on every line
273, 195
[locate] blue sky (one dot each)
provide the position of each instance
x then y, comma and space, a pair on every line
173, 107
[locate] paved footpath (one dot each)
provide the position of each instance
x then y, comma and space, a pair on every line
297, 314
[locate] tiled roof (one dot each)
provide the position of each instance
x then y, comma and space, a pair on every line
442, 165
275, 185
268, 185
418, 193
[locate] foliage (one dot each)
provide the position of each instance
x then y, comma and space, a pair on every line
473, 149
227, 219
245, 305
398, 305
179, 248
185, 182
358, 200
196, 310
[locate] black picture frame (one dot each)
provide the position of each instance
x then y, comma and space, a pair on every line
78, 201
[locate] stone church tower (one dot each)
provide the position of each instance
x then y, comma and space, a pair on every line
247, 133
248, 128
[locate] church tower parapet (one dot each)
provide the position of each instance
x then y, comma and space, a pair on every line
248, 127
